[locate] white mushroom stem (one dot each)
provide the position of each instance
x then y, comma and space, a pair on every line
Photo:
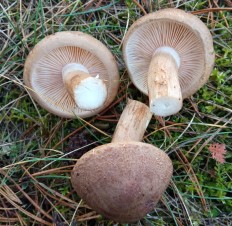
88, 92
164, 90
132, 123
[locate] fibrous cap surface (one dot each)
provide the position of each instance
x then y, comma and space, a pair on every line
122, 181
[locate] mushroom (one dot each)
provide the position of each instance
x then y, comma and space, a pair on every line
123, 180
169, 55
71, 74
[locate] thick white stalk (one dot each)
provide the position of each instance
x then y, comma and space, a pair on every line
88, 92
165, 97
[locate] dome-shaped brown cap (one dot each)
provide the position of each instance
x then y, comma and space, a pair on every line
182, 31
122, 181
44, 64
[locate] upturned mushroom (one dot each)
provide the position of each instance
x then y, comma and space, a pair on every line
71, 74
169, 55
125, 179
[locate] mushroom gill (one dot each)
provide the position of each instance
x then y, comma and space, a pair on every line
147, 38
47, 77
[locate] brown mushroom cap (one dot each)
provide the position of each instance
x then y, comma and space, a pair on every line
43, 71
185, 33
122, 181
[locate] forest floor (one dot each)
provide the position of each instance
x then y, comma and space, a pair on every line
38, 149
